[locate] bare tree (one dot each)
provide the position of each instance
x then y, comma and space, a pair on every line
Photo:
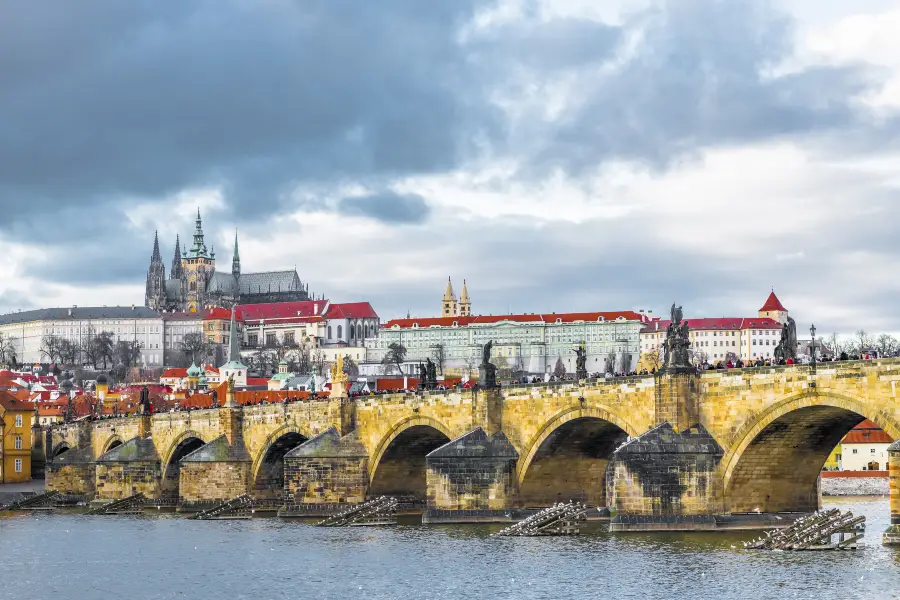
559, 370
50, 347
103, 347
470, 360
395, 356
319, 364
128, 352
439, 355
502, 364
68, 351
863, 342
303, 361
649, 362
196, 346
518, 365
886, 345
834, 344
7, 350
611, 363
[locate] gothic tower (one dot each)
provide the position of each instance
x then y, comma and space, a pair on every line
155, 294
236, 270
198, 266
176, 272
465, 305
448, 302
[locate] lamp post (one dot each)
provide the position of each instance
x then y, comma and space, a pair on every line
812, 333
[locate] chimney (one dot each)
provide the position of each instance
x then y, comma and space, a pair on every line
315, 309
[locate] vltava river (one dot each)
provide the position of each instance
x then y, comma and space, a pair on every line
136, 558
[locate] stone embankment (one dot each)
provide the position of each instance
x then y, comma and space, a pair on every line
855, 483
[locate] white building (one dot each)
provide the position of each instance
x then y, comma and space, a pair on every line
864, 448
26, 329
717, 339
531, 343
312, 323
176, 327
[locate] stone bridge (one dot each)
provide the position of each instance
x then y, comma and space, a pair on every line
673, 451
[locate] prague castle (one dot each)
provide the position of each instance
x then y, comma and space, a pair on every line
194, 282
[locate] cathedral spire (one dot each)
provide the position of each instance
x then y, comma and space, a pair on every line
448, 302
198, 250
236, 261
156, 256
176, 271
465, 305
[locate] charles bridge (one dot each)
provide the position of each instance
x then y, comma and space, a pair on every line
709, 450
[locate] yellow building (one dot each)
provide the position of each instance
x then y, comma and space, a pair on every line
15, 438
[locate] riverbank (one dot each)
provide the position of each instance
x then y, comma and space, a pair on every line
855, 483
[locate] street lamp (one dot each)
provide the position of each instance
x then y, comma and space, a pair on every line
812, 333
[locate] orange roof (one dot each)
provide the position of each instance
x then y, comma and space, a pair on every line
174, 373
13, 404
773, 303
524, 318
867, 432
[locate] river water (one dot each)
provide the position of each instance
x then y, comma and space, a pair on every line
50, 556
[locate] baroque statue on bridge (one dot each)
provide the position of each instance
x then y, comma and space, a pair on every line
678, 343
487, 372
581, 362
787, 347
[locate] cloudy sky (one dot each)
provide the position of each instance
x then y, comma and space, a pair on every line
560, 155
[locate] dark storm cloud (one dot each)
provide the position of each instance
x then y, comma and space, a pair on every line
107, 103
105, 99
387, 207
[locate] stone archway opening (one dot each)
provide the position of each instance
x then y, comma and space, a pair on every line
269, 483
172, 473
113, 444
401, 470
779, 470
571, 463
61, 449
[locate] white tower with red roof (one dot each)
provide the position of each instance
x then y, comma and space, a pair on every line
774, 309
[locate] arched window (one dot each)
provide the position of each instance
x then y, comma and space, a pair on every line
340, 332
359, 331
329, 332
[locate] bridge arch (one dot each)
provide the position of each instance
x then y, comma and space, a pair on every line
112, 442
267, 471
60, 448
567, 458
180, 447
397, 467
777, 457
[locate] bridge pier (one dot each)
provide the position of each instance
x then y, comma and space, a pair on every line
471, 479
666, 480
128, 469
892, 534
325, 474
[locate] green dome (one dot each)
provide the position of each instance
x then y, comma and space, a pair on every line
193, 370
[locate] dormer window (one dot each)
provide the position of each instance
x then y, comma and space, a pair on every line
558, 320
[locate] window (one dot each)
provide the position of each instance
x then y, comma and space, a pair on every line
854, 451
19, 443
18, 420
340, 332
871, 451
329, 332
289, 338
253, 339
270, 339
18, 465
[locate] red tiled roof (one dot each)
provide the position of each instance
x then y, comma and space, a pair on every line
526, 318
867, 432
283, 310
773, 303
221, 314
351, 310
254, 381
11, 403
726, 323
174, 373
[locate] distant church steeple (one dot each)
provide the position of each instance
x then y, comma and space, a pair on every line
155, 292
198, 249
176, 272
465, 305
236, 261
448, 302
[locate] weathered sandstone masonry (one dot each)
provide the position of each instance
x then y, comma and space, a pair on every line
705, 449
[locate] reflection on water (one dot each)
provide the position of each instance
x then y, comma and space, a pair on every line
165, 556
